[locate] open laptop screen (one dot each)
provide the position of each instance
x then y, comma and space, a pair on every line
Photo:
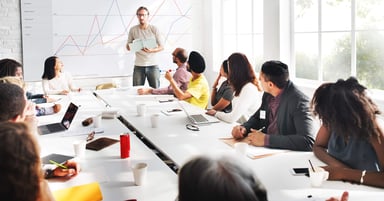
69, 115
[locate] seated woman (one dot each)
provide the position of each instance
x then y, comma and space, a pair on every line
247, 92
10, 67
55, 81
351, 137
221, 98
224, 179
21, 175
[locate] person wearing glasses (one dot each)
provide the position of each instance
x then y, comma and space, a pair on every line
145, 62
181, 76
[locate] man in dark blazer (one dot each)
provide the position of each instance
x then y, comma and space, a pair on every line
283, 120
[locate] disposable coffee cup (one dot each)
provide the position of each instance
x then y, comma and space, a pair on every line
241, 148
318, 176
155, 120
79, 148
141, 109
139, 173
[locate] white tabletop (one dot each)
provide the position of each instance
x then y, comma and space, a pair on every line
105, 166
180, 144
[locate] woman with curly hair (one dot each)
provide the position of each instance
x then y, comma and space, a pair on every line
351, 138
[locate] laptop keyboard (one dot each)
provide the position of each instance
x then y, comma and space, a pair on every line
199, 118
55, 127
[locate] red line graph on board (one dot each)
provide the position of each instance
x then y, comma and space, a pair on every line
98, 26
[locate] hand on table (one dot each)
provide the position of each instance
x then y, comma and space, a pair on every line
238, 132
344, 197
73, 169
256, 138
143, 91
211, 112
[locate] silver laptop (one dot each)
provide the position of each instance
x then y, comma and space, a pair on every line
198, 119
60, 126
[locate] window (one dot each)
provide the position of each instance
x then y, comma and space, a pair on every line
242, 29
339, 38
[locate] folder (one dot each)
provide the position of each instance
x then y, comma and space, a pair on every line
86, 192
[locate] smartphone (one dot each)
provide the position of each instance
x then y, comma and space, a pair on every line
300, 171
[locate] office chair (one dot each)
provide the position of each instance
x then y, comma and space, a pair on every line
108, 85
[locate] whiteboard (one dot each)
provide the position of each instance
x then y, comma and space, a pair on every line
90, 36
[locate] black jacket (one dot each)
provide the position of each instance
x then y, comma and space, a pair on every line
294, 121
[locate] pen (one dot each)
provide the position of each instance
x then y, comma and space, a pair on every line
58, 164
310, 163
164, 101
262, 128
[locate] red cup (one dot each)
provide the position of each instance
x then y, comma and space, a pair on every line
125, 146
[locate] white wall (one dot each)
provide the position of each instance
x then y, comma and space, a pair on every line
10, 29
205, 37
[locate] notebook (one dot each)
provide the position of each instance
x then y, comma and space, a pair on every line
59, 158
198, 119
60, 126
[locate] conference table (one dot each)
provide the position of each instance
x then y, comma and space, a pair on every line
179, 144
113, 174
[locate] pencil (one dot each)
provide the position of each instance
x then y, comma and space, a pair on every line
58, 164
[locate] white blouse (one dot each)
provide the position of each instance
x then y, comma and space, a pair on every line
58, 84
243, 106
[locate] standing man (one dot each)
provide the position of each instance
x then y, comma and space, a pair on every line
145, 62
181, 76
283, 120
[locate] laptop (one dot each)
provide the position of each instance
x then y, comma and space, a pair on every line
198, 119
60, 126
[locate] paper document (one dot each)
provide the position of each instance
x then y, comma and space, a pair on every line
253, 151
139, 44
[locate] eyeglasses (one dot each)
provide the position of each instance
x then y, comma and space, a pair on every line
141, 15
192, 127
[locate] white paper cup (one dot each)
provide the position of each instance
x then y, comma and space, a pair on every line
79, 148
97, 121
141, 109
318, 177
241, 148
155, 120
139, 173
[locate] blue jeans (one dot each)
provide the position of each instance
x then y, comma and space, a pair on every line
152, 73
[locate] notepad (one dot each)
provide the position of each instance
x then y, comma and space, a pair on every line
253, 151
86, 192
100, 143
